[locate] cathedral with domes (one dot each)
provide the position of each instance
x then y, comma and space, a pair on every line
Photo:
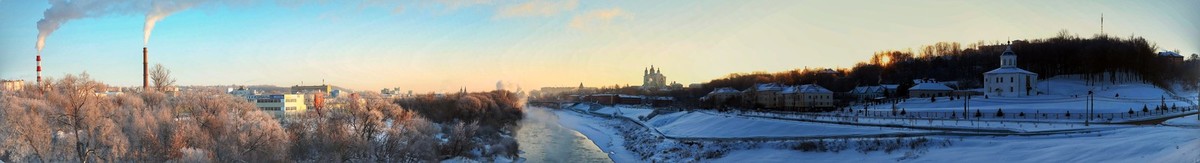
652, 78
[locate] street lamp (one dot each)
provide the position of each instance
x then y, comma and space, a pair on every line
966, 106
1089, 109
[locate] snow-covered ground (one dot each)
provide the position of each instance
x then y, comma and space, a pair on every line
596, 129
1184, 121
705, 124
710, 125
1020, 127
1134, 145
1063, 95
1177, 142
626, 111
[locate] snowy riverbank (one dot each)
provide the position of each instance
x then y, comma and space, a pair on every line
1121, 144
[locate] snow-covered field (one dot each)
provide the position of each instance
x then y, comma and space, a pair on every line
1184, 121
1134, 145
710, 125
1178, 142
951, 125
1062, 95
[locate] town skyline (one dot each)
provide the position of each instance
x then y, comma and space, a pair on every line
442, 47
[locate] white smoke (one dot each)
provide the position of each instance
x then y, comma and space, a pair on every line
63, 11
161, 9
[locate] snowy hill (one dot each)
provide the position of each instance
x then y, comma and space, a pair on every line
1060, 95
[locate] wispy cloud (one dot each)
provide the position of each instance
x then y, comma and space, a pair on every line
597, 19
455, 4
536, 8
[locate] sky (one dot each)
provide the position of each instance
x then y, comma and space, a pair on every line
445, 45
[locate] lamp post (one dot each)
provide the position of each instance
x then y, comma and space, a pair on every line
1087, 121
966, 105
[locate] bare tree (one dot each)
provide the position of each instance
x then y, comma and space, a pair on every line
162, 77
86, 118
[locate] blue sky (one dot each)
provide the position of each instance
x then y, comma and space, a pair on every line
444, 45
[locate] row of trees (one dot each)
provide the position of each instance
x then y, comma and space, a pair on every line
483, 121
496, 109
68, 121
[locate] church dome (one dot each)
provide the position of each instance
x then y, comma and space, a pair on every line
1008, 51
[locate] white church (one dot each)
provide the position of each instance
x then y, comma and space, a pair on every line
1008, 80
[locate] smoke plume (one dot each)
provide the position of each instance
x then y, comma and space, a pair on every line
63, 11
161, 9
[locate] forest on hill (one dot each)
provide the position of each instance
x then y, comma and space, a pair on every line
1100, 58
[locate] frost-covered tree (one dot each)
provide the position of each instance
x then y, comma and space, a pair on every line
26, 135
161, 77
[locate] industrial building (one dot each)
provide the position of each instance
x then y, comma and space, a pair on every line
279, 104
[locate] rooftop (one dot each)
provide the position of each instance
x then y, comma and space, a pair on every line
1009, 70
807, 88
931, 87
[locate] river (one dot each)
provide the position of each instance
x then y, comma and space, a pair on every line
542, 139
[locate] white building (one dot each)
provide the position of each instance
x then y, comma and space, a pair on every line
279, 104
1008, 80
11, 85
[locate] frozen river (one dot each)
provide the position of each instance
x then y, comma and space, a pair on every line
542, 139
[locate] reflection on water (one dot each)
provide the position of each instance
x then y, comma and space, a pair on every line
542, 139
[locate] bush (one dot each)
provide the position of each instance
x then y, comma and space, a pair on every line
999, 112
1130, 111
903, 112
1145, 109
978, 113
1022, 114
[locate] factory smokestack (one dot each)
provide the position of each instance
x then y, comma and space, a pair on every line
39, 67
145, 71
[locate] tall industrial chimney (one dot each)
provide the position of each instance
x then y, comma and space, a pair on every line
145, 71
39, 68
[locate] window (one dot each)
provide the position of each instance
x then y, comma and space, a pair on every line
1010, 89
291, 108
1010, 79
291, 100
